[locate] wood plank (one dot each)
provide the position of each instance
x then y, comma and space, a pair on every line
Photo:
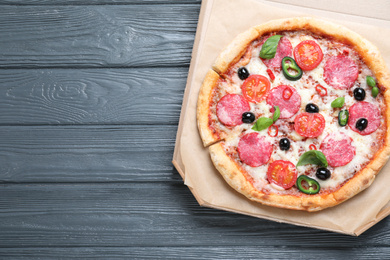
97, 36
147, 214
196, 253
87, 154
96, 2
91, 96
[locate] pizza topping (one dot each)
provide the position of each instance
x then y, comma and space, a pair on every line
341, 72
343, 117
312, 147
284, 144
308, 185
243, 73
370, 81
276, 114
273, 130
248, 117
271, 75
312, 108
230, 109
254, 150
255, 88
309, 124
282, 173
284, 48
322, 91
338, 149
291, 70
308, 55
361, 124
288, 107
374, 92
287, 93
359, 94
313, 157
323, 173
270, 46
365, 110
262, 123
338, 102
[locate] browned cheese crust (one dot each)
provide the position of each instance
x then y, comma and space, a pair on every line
233, 173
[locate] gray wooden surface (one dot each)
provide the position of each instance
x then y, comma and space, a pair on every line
90, 98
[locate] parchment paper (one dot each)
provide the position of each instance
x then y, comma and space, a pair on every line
220, 21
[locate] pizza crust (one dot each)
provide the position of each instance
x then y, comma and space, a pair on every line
235, 177
235, 50
232, 172
203, 108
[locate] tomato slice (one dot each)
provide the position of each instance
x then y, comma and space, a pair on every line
309, 124
282, 173
255, 88
308, 55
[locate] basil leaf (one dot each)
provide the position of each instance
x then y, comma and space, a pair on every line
370, 81
268, 50
313, 157
262, 123
276, 114
338, 102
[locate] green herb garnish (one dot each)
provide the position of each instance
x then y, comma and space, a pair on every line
313, 157
338, 102
268, 50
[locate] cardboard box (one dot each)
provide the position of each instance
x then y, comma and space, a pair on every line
219, 22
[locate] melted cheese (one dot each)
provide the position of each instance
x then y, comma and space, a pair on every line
306, 88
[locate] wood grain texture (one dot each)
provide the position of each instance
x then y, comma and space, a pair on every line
96, 2
87, 154
196, 253
97, 36
147, 214
91, 96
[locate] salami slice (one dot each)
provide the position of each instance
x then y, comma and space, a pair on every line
254, 150
365, 110
284, 49
230, 109
340, 72
287, 98
338, 149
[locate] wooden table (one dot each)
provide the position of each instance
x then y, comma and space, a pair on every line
90, 98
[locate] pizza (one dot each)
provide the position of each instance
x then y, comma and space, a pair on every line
294, 113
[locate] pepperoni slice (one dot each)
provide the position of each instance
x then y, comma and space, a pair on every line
230, 109
284, 49
340, 72
287, 98
254, 150
365, 110
308, 55
309, 124
282, 173
338, 149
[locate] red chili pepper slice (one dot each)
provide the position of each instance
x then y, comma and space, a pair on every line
287, 93
322, 91
276, 130
312, 147
271, 74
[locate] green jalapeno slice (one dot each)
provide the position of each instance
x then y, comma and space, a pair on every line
308, 185
343, 117
288, 65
